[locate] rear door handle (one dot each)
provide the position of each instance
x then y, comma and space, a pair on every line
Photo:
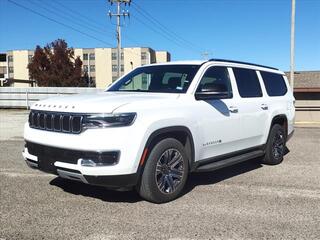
233, 109
264, 107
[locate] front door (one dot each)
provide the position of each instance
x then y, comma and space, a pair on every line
219, 118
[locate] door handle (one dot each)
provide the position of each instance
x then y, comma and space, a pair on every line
264, 107
233, 109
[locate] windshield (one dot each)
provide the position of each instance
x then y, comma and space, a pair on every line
162, 78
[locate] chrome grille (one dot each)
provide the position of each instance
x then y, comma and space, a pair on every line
56, 121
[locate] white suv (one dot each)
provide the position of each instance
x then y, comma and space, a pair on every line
160, 122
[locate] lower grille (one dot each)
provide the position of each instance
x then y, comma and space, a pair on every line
53, 154
55, 121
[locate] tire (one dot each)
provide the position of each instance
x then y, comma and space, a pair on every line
275, 146
163, 180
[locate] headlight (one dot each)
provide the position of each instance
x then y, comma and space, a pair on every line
109, 120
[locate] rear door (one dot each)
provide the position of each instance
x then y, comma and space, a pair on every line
280, 100
253, 107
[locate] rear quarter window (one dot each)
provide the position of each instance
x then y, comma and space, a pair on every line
274, 83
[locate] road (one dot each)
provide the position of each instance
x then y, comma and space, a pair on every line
246, 201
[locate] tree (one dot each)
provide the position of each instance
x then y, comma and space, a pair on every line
56, 66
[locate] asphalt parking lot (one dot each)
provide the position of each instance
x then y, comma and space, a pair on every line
245, 201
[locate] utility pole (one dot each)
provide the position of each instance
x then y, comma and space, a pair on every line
293, 14
205, 55
118, 15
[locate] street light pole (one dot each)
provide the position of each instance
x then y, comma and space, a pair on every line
293, 13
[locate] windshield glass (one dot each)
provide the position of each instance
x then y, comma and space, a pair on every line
162, 78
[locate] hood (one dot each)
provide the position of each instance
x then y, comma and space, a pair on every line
105, 102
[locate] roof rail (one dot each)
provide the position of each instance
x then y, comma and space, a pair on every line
233, 61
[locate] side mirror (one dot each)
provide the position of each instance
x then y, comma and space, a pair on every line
214, 91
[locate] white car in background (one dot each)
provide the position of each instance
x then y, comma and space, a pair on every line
160, 122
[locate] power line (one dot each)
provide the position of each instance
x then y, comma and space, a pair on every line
158, 32
67, 26
165, 29
58, 22
77, 14
67, 17
85, 26
80, 17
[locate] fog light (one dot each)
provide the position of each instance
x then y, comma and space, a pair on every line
88, 163
92, 163
100, 159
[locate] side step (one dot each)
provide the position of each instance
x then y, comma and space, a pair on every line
229, 161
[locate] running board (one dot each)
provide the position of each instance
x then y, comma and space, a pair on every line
229, 161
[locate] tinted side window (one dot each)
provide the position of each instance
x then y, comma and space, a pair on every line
247, 82
274, 83
215, 76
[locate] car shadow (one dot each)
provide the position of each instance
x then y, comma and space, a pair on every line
102, 193
220, 106
194, 180
213, 177
286, 151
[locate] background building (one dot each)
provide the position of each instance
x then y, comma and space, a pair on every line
3, 68
100, 64
307, 95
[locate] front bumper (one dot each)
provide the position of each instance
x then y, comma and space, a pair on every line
94, 140
75, 172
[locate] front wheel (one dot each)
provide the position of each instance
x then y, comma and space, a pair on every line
165, 172
275, 147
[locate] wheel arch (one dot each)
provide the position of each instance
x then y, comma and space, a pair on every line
180, 133
282, 120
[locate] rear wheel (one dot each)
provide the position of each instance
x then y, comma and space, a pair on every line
165, 172
275, 147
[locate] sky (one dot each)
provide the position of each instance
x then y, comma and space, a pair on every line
255, 31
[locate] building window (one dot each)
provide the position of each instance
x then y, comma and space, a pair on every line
3, 57
122, 56
85, 68
85, 56
114, 79
93, 79
114, 56
30, 58
10, 69
92, 56
144, 79
114, 68
10, 58
122, 68
143, 56
92, 68
3, 70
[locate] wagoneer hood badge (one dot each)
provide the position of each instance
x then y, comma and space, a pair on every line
105, 102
